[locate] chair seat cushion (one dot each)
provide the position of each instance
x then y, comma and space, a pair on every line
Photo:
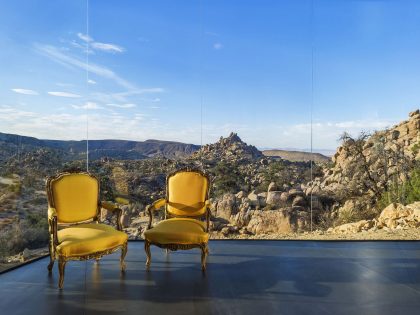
86, 239
178, 231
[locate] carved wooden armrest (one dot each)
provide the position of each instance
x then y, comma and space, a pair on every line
115, 210
154, 206
52, 223
208, 215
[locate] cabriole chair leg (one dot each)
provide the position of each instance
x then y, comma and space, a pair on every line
61, 267
52, 258
122, 259
148, 254
204, 252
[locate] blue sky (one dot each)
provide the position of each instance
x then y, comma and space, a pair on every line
248, 64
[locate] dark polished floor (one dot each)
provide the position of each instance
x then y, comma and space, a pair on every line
243, 277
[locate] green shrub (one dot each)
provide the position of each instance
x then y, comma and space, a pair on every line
227, 179
32, 232
405, 193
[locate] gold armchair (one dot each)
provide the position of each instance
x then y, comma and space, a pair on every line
73, 218
187, 194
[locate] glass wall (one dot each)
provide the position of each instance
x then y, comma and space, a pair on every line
289, 106
42, 83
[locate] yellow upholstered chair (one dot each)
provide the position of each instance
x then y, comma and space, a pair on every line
186, 205
73, 218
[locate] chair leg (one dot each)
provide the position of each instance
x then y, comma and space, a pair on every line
123, 253
61, 266
204, 252
148, 254
52, 258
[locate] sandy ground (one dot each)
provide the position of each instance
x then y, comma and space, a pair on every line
390, 235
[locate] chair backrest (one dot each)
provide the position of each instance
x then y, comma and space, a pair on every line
75, 196
187, 192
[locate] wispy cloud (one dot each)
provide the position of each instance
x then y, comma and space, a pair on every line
217, 46
25, 91
155, 100
84, 37
107, 47
91, 82
100, 46
64, 94
130, 105
57, 55
64, 84
88, 105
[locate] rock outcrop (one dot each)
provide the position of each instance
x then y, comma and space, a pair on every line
231, 148
395, 216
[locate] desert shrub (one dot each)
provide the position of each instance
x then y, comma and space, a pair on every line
122, 201
416, 148
32, 232
276, 172
227, 179
405, 193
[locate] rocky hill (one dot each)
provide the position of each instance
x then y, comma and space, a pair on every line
231, 148
297, 156
118, 149
369, 167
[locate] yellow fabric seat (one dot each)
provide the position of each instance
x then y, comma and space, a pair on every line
178, 231
86, 239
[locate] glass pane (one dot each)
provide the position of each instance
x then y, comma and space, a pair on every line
150, 105
366, 79
41, 81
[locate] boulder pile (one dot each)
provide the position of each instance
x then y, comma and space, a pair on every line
395, 216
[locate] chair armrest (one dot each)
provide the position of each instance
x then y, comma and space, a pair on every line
52, 224
208, 215
115, 210
154, 206
52, 212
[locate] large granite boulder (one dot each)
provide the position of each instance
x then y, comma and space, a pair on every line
272, 222
226, 207
274, 198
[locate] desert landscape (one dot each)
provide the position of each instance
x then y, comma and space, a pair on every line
369, 189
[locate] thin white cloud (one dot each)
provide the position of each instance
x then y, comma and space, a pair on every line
57, 55
155, 100
25, 91
107, 47
91, 82
64, 94
64, 84
84, 37
97, 45
129, 105
88, 105
217, 46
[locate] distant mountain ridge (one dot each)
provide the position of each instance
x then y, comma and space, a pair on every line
297, 156
11, 144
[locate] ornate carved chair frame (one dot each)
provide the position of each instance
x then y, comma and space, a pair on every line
158, 204
54, 226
